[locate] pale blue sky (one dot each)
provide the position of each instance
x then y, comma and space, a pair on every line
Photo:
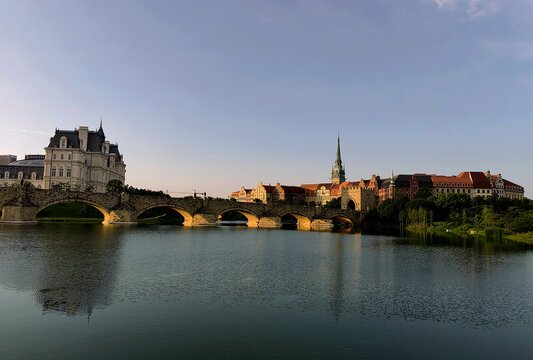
212, 95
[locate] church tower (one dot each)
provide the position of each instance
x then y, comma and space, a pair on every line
337, 173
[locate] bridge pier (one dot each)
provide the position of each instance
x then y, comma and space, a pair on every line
120, 217
19, 215
202, 220
269, 222
321, 224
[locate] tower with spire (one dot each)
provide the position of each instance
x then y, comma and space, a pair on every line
337, 173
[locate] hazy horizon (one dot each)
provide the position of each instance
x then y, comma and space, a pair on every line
212, 95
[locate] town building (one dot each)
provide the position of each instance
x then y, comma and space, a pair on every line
82, 160
367, 194
7, 159
357, 197
289, 194
502, 188
30, 170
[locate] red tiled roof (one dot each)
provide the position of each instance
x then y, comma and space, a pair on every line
292, 189
315, 187
507, 183
479, 180
269, 188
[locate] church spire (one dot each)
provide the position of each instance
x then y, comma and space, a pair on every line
338, 158
337, 173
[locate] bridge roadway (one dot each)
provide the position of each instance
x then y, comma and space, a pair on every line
21, 206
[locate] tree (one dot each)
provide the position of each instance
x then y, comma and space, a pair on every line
333, 204
402, 216
89, 188
114, 187
423, 193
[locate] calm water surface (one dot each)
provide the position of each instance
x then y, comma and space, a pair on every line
92, 291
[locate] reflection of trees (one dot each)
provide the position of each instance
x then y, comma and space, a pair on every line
78, 268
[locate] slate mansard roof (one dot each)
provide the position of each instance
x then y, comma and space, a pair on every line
95, 141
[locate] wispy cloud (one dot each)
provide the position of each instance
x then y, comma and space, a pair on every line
27, 131
445, 4
477, 8
474, 8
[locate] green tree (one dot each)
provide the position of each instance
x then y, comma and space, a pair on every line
333, 204
423, 193
114, 187
402, 216
488, 217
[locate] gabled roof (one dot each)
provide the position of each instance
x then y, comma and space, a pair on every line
479, 179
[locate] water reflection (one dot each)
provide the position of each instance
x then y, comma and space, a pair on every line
70, 268
74, 269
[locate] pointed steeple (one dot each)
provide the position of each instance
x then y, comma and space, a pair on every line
100, 128
337, 173
338, 158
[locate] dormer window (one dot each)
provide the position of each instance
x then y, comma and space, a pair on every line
63, 142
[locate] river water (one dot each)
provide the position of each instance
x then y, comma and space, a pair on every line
107, 292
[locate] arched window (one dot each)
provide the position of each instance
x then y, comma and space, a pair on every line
61, 171
34, 175
20, 175
53, 173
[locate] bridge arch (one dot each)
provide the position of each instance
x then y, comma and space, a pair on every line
251, 217
301, 220
187, 216
93, 204
342, 219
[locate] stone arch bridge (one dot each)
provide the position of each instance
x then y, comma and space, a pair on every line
20, 206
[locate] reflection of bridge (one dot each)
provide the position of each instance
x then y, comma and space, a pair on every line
20, 206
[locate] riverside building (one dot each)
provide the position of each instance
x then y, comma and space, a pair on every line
367, 194
82, 160
29, 170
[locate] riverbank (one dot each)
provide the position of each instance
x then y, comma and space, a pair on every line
443, 228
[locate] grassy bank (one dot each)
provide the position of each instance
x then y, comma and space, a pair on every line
526, 238
441, 228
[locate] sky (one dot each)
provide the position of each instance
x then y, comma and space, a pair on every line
212, 95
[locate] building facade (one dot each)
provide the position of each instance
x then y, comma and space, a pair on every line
30, 170
7, 159
82, 160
